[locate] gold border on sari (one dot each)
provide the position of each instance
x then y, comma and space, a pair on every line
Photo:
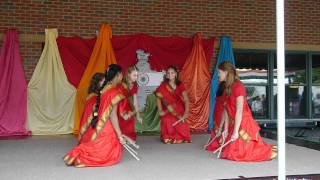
105, 115
244, 135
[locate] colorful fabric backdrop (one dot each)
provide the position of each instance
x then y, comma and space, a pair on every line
50, 96
102, 56
195, 76
13, 88
225, 54
165, 51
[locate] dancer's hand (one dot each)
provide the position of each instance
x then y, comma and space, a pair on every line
181, 119
139, 118
122, 139
225, 134
234, 136
218, 134
162, 113
126, 116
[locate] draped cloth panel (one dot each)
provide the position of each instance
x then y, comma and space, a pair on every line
150, 116
50, 96
75, 54
13, 88
102, 56
225, 54
165, 51
196, 77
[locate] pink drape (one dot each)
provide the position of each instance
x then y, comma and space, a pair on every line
13, 88
165, 51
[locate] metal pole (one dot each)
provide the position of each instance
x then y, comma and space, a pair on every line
281, 90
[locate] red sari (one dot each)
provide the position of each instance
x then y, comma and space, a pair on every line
173, 105
217, 113
98, 146
87, 113
249, 146
127, 126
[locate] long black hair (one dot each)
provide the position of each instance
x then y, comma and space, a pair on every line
177, 81
111, 72
95, 83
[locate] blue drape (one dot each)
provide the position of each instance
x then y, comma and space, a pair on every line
225, 54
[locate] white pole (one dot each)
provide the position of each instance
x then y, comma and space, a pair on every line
281, 91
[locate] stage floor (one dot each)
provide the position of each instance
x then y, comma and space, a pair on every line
40, 157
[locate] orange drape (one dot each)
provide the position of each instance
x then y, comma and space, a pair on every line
102, 56
196, 77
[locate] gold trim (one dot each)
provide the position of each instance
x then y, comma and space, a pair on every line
80, 166
244, 135
125, 86
107, 87
84, 127
66, 158
105, 116
177, 141
170, 89
169, 107
90, 95
167, 141
273, 155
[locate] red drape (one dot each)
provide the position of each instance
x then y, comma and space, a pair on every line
165, 51
75, 53
196, 77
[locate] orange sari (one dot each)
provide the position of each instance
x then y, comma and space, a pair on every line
127, 126
249, 146
173, 104
98, 146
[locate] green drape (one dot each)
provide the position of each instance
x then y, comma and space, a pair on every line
150, 116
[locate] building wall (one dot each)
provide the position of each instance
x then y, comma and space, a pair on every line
245, 21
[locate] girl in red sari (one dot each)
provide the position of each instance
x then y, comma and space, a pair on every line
101, 137
239, 125
93, 90
173, 106
127, 110
217, 114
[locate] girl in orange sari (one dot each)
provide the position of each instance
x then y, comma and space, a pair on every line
173, 106
101, 137
93, 90
126, 110
239, 125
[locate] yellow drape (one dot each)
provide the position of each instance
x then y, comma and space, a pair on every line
50, 96
102, 56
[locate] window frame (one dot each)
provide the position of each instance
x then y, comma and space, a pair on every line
270, 85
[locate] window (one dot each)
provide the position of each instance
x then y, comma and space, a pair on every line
295, 101
295, 72
252, 68
315, 98
258, 72
296, 87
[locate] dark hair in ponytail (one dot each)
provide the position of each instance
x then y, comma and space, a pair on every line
111, 72
95, 83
